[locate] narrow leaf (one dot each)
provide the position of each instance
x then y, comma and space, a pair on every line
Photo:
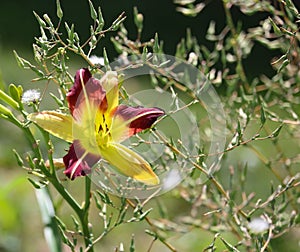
277, 131
292, 7
262, 115
229, 246
18, 158
101, 21
59, 11
35, 184
275, 27
15, 92
57, 100
8, 100
156, 44
115, 25
106, 61
283, 65
40, 20
93, 11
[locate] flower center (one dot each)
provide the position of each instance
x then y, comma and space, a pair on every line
103, 135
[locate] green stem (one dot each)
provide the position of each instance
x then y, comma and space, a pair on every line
51, 175
82, 212
87, 193
84, 217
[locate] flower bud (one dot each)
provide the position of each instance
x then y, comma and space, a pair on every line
8, 100
5, 111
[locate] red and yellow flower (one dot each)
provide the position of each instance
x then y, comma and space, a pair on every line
97, 125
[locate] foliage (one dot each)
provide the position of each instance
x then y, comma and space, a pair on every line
262, 132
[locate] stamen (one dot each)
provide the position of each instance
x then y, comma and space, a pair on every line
100, 128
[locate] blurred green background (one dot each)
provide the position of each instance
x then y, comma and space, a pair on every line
20, 221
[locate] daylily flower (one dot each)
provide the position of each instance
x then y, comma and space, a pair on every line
97, 126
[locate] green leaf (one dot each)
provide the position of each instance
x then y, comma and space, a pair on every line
101, 21
151, 233
65, 238
276, 132
115, 25
48, 21
71, 34
60, 223
76, 223
144, 54
35, 184
98, 204
181, 49
290, 5
57, 100
262, 115
30, 161
19, 159
122, 215
25, 64
275, 27
9, 100
229, 246
283, 65
93, 11
283, 57
156, 44
105, 198
59, 11
106, 61
189, 39
16, 92
40, 20
144, 214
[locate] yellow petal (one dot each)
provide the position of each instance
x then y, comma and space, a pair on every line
129, 163
57, 124
110, 84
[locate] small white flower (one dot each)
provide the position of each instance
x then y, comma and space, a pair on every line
97, 60
258, 225
31, 95
193, 58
